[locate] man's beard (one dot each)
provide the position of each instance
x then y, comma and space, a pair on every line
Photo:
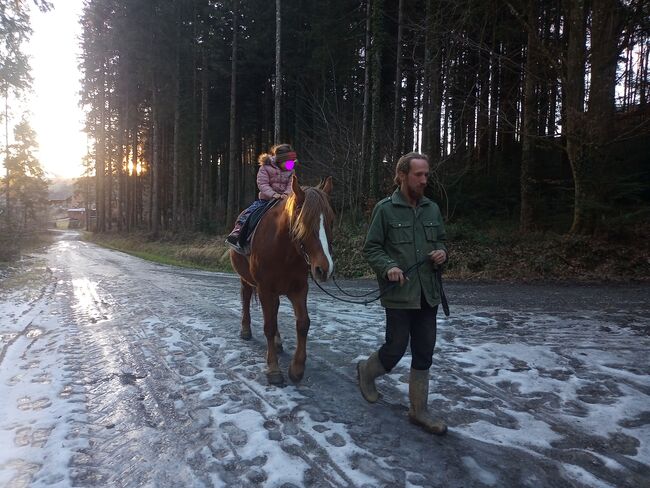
416, 193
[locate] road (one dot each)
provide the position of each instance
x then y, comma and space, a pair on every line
115, 371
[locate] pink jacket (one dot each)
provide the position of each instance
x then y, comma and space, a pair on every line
271, 179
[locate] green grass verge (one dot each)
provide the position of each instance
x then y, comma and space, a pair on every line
495, 251
190, 251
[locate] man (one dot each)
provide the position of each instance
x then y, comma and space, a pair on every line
405, 228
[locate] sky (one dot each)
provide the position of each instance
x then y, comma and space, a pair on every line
54, 104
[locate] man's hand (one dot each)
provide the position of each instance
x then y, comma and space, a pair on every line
396, 274
283, 196
438, 256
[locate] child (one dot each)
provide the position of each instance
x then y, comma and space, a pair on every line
273, 181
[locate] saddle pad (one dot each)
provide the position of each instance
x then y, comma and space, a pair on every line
249, 228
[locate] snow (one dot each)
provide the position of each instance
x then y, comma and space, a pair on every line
151, 360
39, 404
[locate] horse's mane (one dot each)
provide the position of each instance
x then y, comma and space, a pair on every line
306, 217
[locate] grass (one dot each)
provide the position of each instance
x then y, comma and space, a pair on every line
191, 251
13, 246
493, 251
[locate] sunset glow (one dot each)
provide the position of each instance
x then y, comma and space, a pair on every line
54, 109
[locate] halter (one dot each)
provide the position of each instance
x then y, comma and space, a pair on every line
305, 255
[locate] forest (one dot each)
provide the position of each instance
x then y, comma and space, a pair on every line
535, 111
531, 112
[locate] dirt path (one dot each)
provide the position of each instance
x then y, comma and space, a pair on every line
116, 371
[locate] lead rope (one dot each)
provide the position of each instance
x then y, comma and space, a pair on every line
366, 302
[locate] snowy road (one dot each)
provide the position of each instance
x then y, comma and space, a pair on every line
119, 372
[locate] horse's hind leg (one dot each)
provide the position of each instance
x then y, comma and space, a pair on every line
246, 294
297, 367
270, 304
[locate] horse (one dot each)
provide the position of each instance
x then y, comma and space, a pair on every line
293, 237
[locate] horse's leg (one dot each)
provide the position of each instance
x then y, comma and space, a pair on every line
278, 341
246, 294
297, 367
270, 304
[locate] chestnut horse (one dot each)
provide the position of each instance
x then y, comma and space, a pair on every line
293, 236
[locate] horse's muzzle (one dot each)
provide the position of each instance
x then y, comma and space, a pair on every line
320, 274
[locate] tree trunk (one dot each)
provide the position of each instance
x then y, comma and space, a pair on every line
109, 169
122, 156
574, 95
409, 108
366, 97
233, 166
100, 152
495, 68
598, 175
176, 201
155, 166
204, 151
529, 133
7, 172
483, 117
375, 124
397, 102
278, 73
431, 89
509, 96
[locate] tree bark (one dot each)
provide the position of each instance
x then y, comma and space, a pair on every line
155, 166
233, 166
375, 124
397, 102
204, 150
431, 89
574, 95
7, 172
176, 201
100, 154
595, 176
366, 97
278, 73
529, 132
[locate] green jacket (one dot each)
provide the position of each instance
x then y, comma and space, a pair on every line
400, 235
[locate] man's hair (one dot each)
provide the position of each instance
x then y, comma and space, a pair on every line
404, 165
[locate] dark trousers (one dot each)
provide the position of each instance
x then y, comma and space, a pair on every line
417, 324
252, 207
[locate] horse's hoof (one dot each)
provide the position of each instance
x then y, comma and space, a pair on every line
296, 378
275, 378
247, 335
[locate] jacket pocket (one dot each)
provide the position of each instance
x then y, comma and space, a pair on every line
400, 233
431, 231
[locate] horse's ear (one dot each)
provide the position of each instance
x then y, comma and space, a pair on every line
327, 186
299, 192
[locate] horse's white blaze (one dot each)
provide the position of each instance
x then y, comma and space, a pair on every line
325, 245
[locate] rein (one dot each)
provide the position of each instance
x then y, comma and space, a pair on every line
366, 302
437, 273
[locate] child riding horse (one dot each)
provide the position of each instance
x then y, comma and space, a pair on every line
292, 239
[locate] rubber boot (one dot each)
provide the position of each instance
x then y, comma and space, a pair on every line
419, 396
367, 371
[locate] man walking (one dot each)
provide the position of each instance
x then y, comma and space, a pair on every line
405, 228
